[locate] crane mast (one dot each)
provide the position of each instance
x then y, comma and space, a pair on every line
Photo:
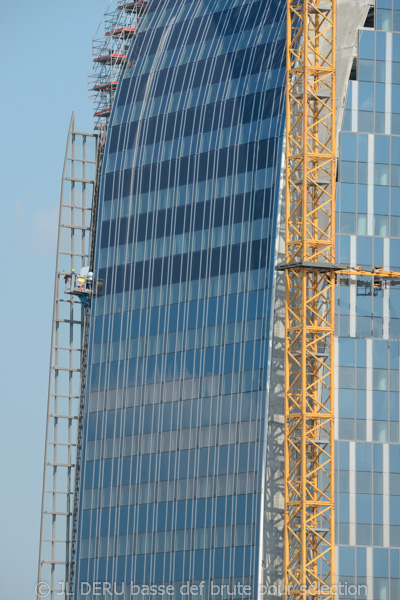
310, 268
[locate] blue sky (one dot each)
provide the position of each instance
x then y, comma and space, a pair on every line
46, 58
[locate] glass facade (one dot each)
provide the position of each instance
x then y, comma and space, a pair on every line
174, 433
368, 325
174, 453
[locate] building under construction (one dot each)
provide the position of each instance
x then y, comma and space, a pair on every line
223, 409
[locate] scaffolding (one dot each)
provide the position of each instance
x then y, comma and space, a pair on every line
73, 249
110, 57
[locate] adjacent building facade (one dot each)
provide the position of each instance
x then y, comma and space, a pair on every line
368, 196
182, 457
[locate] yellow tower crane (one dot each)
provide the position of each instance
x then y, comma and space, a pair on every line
310, 291
310, 274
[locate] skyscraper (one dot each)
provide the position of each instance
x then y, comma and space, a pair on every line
181, 469
175, 429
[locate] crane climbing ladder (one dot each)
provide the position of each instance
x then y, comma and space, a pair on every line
76, 205
310, 276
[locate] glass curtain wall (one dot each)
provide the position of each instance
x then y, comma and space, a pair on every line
174, 431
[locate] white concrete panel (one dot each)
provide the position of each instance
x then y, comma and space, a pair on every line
386, 312
388, 82
369, 413
353, 286
352, 493
370, 191
386, 495
354, 105
370, 573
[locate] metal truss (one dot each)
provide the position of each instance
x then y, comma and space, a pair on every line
310, 286
380, 277
73, 248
